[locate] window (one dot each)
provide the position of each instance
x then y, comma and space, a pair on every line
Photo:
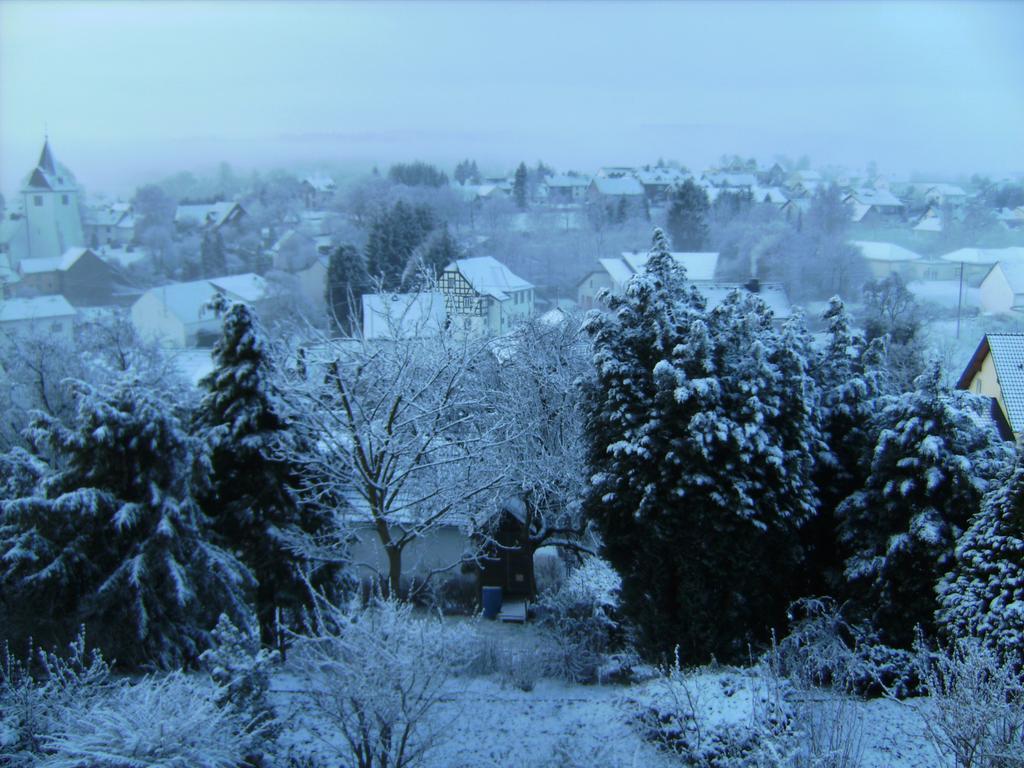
56, 327
64, 199
38, 200
977, 385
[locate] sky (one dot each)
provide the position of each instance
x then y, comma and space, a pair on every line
129, 91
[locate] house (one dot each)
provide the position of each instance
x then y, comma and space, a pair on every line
772, 294
930, 221
616, 192
208, 215
112, 225
940, 194
977, 262
996, 370
769, 196
403, 315
613, 274
483, 296
884, 259
506, 557
566, 190
1002, 289
658, 183
294, 251
731, 180
80, 275
177, 315
318, 190
875, 206
51, 315
773, 177
1011, 218
46, 221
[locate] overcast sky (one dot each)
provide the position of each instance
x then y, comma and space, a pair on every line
130, 89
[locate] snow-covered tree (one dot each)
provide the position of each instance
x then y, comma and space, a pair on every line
702, 436
933, 455
252, 502
112, 538
347, 281
393, 433
983, 595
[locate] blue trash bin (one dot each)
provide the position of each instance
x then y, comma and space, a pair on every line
492, 602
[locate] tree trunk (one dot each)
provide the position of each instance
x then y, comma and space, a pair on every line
394, 572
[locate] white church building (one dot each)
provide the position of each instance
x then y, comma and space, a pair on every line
46, 220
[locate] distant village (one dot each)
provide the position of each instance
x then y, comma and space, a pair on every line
159, 259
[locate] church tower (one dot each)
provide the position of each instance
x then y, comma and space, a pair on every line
49, 199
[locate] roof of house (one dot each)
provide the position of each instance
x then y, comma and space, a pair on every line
489, 277
732, 179
52, 264
207, 213
772, 294
38, 308
929, 224
882, 198
658, 176
1007, 350
320, 182
49, 175
768, 195
403, 315
984, 255
946, 190
618, 185
700, 265
875, 251
187, 301
1014, 273
567, 181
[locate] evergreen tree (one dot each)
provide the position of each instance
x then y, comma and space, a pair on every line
932, 456
891, 311
441, 250
394, 235
347, 281
519, 189
983, 596
467, 172
702, 434
252, 500
211, 254
112, 538
417, 174
621, 211
687, 221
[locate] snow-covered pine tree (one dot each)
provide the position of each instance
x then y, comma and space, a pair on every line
252, 502
702, 435
983, 596
933, 455
112, 537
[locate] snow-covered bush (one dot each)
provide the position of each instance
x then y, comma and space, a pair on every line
241, 669
974, 712
830, 733
581, 619
713, 720
169, 721
371, 676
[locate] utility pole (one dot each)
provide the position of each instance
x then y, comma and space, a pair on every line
960, 299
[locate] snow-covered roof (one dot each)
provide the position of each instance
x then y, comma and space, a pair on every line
489, 277
768, 195
882, 198
929, 224
402, 315
875, 251
212, 213
567, 181
984, 255
1007, 350
187, 301
946, 190
658, 176
618, 269
52, 264
49, 174
123, 256
699, 265
772, 294
320, 182
732, 179
38, 308
618, 185
1014, 273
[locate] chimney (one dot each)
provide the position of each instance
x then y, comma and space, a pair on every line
753, 285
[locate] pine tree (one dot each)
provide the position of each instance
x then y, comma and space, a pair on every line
394, 235
252, 502
932, 456
688, 216
983, 595
702, 436
519, 186
347, 281
211, 254
112, 537
441, 250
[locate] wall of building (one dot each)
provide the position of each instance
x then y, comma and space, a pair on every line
54, 222
154, 322
995, 293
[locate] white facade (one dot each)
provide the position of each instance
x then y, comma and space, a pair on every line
1002, 290
49, 315
484, 297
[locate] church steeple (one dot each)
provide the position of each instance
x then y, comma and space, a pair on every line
46, 158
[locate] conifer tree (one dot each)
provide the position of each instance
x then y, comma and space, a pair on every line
983, 596
112, 538
687, 221
519, 189
252, 502
441, 250
932, 456
394, 235
211, 254
347, 281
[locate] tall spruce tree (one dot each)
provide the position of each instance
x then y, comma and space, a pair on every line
702, 434
252, 501
983, 595
932, 456
112, 538
211, 254
519, 186
347, 281
687, 219
394, 235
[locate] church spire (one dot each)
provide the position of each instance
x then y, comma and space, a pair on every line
46, 158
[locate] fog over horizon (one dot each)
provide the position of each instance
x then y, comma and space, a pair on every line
130, 92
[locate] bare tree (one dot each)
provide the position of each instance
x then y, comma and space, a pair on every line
396, 433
